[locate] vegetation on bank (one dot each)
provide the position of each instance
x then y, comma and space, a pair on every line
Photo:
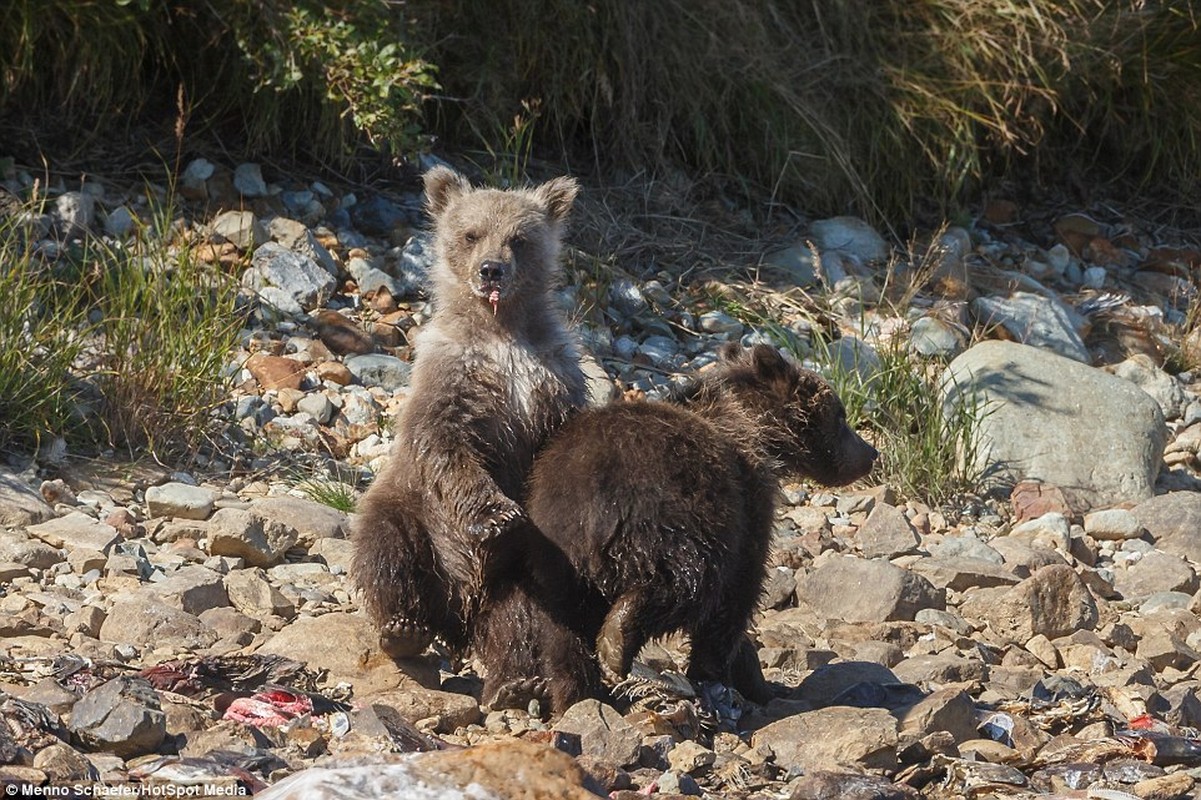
875, 107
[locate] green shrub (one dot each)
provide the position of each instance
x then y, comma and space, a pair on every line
41, 336
311, 76
887, 105
165, 326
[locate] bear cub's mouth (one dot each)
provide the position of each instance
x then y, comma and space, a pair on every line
492, 291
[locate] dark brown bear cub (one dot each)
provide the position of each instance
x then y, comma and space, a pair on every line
657, 518
496, 372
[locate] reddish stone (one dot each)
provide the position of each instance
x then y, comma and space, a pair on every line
341, 335
276, 372
1030, 500
335, 372
1001, 212
1076, 231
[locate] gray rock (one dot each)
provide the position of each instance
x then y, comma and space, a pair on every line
778, 588
248, 180
75, 530
720, 322
63, 764
856, 590
239, 228
950, 710
960, 574
831, 738
1050, 419
180, 501
1112, 524
16, 548
370, 278
416, 260
317, 406
299, 239
1094, 277
599, 385
627, 298
1155, 572
849, 235
830, 785
192, 589
886, 533
376, 369
291, 275
243, 534
311, 520
119, 222
965, 547
20, 504
144, 621
1051, 530
251, 593
336, 553
937, 669
346, 646
121, 716
797, 261
603, 732
1053, 601
1173, 521
933, 337
1035, 320
1166, 390
196, 173
75, 213
854, 356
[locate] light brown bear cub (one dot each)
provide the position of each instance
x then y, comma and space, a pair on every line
496, 372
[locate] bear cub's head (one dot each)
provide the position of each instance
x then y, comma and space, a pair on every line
803, 421
495, 247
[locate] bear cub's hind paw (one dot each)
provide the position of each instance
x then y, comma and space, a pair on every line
519, 693
402, 637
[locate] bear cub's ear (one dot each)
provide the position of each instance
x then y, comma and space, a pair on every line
557, 195
443, 184
768, 361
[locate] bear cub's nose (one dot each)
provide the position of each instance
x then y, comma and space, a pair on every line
492, 270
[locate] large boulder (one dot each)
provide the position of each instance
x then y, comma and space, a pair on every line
1051, 419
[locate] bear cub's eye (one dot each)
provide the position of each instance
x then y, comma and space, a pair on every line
517, 241
471, 237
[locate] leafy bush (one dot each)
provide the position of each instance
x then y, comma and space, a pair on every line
308, 75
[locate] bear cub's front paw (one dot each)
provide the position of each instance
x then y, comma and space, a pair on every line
496, 518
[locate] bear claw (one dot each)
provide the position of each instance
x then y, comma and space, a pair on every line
496, 519
519, 693
401, 637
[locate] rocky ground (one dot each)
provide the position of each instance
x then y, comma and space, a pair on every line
195, 629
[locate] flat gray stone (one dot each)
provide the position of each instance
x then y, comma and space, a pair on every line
241, 229
603, 732
310, 519
75, 530
179, 500
859, 590
122, 716
832, 737
376, 369
1048, 418
243, 534
147, 622
20, 504
1035, 320
297, 280
1173, 521
192, 589
849, 235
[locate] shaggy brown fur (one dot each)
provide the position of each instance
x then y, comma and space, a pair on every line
657, 518
496, 372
